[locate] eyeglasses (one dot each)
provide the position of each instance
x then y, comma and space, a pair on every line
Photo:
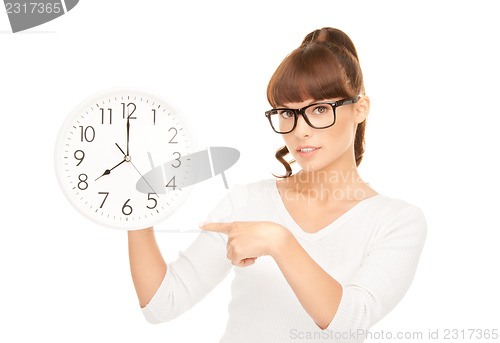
319, 115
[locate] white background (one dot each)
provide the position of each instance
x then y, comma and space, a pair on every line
430, 68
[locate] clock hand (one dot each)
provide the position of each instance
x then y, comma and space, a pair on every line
144, 178
108, 171
128, 132
127, 158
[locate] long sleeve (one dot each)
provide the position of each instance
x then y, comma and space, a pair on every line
197, 271
384, 277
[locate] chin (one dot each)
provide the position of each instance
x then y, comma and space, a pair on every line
310, 167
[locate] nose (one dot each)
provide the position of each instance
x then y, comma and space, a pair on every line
302, 128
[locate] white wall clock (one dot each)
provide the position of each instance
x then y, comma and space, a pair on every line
106, 147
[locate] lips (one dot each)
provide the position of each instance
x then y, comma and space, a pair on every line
300, 147
308, 152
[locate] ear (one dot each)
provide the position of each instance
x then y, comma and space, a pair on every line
361, 109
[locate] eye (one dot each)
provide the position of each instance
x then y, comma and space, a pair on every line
286, 114
321, 109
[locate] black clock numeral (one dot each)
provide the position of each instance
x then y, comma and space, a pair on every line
129, 115
172, 180
177, 159
83, 182
175, 134
102, 115
127, 207
79, 158
88, 134
154, 116
149, 198
107, 193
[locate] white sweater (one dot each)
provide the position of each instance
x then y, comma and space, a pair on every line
372, 251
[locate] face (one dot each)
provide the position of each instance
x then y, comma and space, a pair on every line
334, 145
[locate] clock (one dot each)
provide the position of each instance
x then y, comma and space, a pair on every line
107, 148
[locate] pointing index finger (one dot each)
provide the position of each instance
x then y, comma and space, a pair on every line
217, 227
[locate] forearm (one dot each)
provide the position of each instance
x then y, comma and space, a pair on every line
146, 264
317, 291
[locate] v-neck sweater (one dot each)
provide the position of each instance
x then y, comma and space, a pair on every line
372, 250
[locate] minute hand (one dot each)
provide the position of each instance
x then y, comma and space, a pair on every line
128, 133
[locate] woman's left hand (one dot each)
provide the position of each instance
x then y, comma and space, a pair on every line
249, 240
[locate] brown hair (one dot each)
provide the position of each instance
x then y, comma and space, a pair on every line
325, 65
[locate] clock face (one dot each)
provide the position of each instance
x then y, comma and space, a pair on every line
110, 144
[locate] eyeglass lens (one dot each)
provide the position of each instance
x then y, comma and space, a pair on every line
319, 116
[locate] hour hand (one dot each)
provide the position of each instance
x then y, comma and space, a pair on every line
108, 171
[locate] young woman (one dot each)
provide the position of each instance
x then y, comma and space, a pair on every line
316, 255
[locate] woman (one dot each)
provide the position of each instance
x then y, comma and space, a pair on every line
316, 255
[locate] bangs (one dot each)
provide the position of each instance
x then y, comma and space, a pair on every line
310, 72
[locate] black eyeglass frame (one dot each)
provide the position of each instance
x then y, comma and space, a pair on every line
301, 111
